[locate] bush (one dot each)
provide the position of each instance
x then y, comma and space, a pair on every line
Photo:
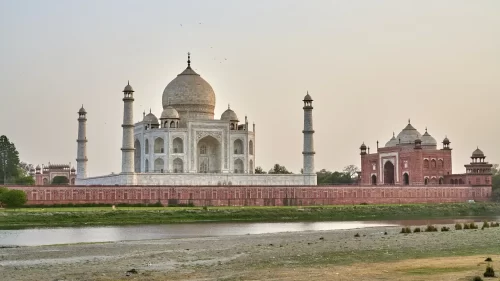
477, 278
458, 226
494, 224
472, 225
489, 272
356, 235
406, 230
445, 228
60, 180
466, 226
486, 224
431, 228
13, 198
488, 259
417, 229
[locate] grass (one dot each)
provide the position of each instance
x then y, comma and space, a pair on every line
436, 270
98, 216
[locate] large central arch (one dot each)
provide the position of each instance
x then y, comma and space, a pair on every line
388, 173
209, 155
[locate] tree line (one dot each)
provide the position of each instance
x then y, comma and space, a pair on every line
12, 170
348, 175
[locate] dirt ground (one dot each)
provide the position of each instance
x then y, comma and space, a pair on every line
318, 255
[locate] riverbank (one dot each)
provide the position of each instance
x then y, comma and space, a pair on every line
312, 255
103, 216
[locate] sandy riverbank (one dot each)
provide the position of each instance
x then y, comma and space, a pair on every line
323, 255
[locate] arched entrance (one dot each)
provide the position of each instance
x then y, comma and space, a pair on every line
388, 173
137, 156
441, 180
209, 155
159, 166
374, 180
406, 179
178, 165
238, 166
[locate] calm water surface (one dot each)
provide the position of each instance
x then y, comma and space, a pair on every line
64, 235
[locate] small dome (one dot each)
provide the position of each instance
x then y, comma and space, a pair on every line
478, 153
392, 142
418, 141
73, 169
150, 118
229, 115
363, 146
128, 88
427, 139
308, 97
169, 113
38, 167
446, 140
82, 110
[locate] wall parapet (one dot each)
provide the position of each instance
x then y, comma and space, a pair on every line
252, 195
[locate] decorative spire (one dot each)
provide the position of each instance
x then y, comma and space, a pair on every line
409, 121
228, 106
150, 110
144, 113
189, 60
393, 135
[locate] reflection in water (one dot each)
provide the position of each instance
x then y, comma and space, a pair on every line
47, 236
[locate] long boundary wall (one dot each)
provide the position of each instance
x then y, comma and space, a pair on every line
253, 195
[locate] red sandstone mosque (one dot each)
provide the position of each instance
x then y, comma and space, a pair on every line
415, 159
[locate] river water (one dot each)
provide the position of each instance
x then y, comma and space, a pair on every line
66, 235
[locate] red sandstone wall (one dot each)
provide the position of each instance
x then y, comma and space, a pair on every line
253, 195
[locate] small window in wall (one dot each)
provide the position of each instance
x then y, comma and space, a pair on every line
426, 181
426, 164
178, 145
440, 164
433, 164
203, 150
238, 147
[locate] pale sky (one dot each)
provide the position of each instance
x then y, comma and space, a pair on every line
369, 66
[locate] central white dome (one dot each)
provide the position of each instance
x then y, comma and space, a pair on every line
190, 95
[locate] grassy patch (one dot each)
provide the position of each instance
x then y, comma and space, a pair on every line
98, 216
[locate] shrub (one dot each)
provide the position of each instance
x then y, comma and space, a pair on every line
405, 230
458, 226
417, 229
430, 228
13, 198
472, 225
445, 228
489, 272
466, 226
494, 224
477, 278
488, 259
486, 224
356, 235
60, 180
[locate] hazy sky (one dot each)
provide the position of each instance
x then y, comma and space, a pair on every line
369, 66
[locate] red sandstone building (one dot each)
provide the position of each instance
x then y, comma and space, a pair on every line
47, 173
415, 159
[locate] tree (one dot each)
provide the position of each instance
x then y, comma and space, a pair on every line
351, 171
60, 180
259, 170
9, 160
278, 169
13, 198
347, 176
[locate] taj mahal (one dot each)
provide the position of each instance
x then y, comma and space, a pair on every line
187, 145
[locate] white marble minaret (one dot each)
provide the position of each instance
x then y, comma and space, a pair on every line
308, 132
128, 131
81, 154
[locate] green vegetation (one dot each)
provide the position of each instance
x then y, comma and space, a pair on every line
489, 272
11, 169
74, 216
13, 198
348, 176
60, 180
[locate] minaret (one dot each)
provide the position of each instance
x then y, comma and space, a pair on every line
81, 154
128, 131
308, 136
